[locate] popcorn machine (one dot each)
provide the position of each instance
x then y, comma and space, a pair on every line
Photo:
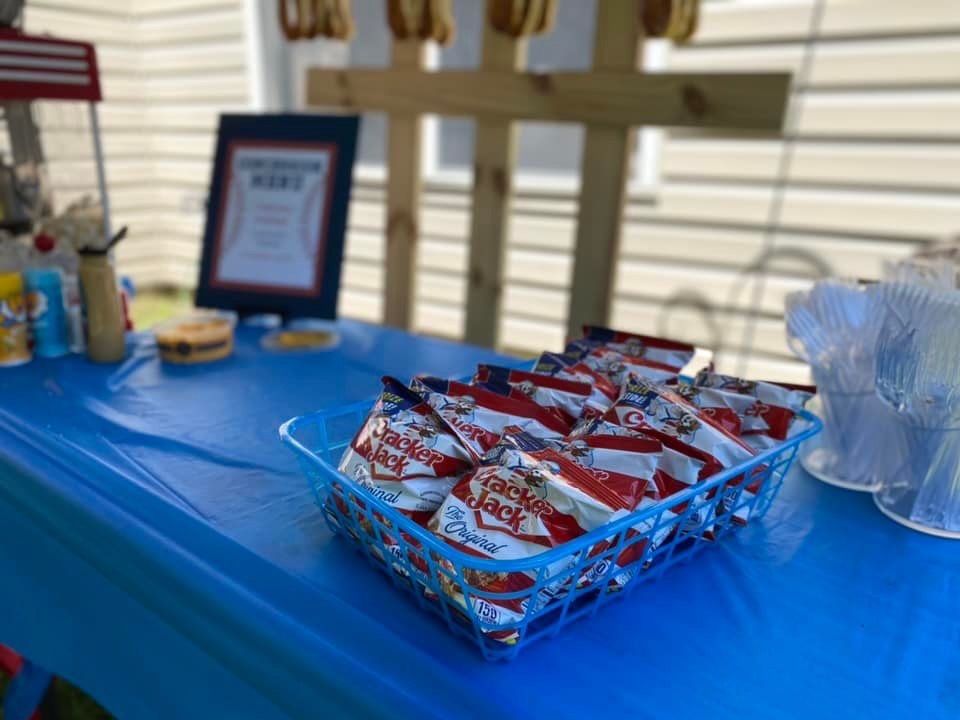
33, 68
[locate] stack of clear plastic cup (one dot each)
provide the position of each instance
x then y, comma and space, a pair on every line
834, 327
918, 377
860, 437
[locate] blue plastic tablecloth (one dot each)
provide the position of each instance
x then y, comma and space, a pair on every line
159, 547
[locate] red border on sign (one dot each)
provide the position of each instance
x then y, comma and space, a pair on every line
232, 146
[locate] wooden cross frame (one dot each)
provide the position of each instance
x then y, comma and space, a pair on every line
610, 99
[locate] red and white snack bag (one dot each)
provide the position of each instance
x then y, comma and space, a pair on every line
765, 423
603, 393
478, 416
767, 420
404, 455
618, 367
523, 499
679, 467
728, 410
658, 350
627, 464
563, 397
644, 405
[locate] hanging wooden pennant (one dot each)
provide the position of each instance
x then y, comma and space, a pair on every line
422, 20
676, 20
316, 18
298, 26
522, 18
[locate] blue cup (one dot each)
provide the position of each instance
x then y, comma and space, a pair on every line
48, 317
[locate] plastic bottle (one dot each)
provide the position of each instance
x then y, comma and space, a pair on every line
105, 324
14, 349
48, 317
13, 254
50, 252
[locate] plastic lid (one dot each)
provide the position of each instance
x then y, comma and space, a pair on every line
44, 243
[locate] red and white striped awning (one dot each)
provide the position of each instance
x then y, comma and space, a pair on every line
44, 68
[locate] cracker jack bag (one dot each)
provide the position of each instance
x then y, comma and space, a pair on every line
404, 454
478, 416
618, 368
603, 393
644, 405
658, 350
562, 397
766, 423
768, 419
523, 499
626, 464
728, 410
679, 467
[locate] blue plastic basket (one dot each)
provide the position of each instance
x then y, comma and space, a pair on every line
438, 576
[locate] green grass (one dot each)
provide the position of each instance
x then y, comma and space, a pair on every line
152, 306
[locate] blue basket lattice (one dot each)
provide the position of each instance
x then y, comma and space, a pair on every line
439, 576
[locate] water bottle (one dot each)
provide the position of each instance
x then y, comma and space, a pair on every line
50, 252
48, 318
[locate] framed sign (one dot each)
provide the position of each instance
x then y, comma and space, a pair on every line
277, 214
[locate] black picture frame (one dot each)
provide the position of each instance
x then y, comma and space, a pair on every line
324, 145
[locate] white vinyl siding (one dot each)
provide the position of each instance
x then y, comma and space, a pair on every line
875, 172
169, 68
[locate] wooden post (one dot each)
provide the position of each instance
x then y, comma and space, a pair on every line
742, 101
605, 169
610, 100
494, 158
403, 196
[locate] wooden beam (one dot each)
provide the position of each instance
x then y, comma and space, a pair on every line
494, 158
604, 174
616, 96
403, 196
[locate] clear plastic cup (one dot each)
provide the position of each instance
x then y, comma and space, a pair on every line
918, 377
